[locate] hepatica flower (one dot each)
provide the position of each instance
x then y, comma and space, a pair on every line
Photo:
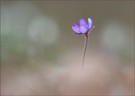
83, 28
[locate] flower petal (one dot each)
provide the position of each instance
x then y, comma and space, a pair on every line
82, 22
83, 29
89, 23
75, 28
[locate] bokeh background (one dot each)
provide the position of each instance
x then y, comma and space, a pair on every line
41, 55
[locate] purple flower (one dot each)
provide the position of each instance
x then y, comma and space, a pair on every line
82, 27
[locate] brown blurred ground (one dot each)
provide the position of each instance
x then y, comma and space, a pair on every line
100, 77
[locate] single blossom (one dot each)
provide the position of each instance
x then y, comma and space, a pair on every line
82, 27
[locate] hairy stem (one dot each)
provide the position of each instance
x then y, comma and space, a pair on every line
85, 47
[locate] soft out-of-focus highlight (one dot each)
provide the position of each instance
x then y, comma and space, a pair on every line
41, 55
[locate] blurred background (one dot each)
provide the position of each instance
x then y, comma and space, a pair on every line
41, 55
